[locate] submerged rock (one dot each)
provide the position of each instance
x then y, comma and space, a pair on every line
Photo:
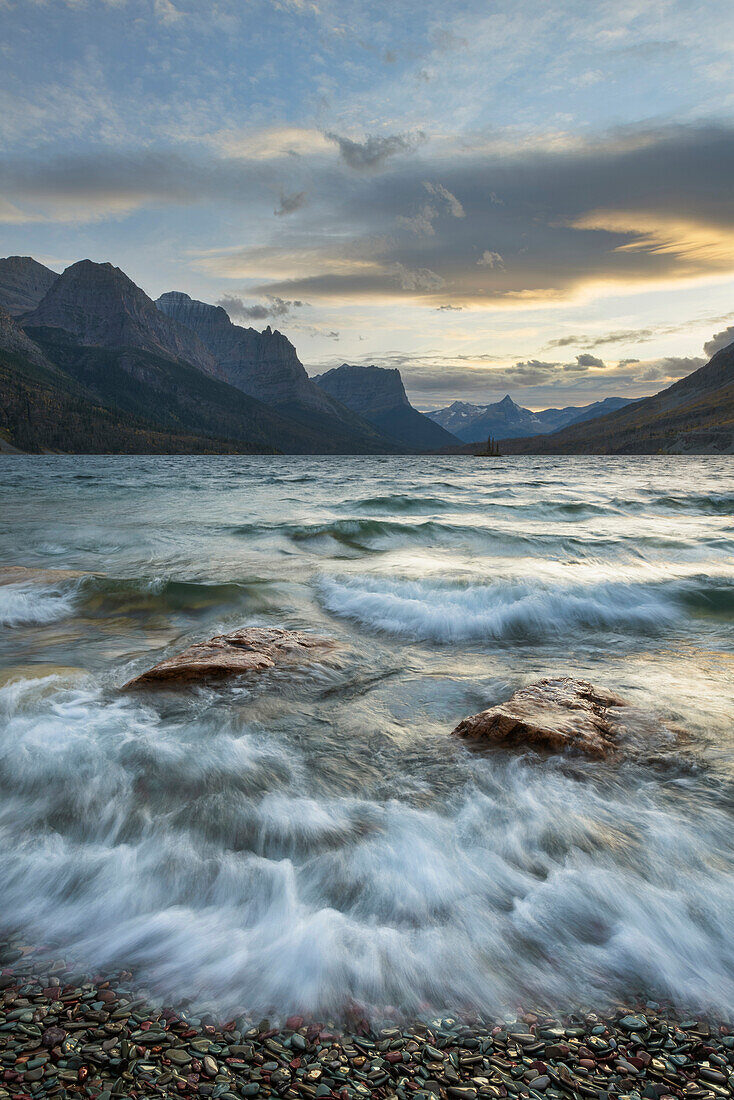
21, 574
552, 715
252, 649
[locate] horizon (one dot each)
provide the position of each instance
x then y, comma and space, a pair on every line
504, 200
422, 408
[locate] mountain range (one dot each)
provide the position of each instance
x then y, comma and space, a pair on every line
89, 363
693, 416
507, 420
162, 372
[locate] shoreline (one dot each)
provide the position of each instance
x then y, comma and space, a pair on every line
63, 1034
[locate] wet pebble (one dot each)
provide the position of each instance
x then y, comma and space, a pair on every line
66, 1037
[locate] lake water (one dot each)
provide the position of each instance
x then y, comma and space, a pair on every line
316, 837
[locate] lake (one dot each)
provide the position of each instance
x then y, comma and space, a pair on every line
315, 837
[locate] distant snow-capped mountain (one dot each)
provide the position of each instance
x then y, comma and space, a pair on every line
506, 419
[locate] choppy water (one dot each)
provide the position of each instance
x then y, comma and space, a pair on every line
318, 837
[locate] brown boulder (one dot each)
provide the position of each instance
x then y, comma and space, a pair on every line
552, 715
253, 649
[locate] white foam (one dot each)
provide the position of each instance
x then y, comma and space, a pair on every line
437, 611
189, 851
34, 603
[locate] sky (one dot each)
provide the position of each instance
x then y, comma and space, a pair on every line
507, 196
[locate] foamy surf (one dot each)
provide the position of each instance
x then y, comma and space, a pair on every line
188, 850
34, 603
445, 611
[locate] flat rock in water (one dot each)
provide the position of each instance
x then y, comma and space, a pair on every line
21, 574
551, 715
253, 649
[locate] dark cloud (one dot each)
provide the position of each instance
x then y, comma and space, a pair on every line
669, 368
643, 335
290, 203
364, 156
238, 311
719, 340
421, 278
623, 336
442, 193
652, 205
490, 259
587, 360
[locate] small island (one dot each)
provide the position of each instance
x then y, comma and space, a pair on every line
492, 450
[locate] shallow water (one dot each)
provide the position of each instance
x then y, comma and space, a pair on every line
316, 837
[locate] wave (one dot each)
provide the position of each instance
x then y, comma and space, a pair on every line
189, 851
374, 535
95, 595
401, 502
103, 593
443, 611
707, 504
26, 604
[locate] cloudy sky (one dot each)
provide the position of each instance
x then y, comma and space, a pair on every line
501, 195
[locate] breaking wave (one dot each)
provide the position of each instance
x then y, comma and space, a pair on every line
445, 611
192, 850
22, 604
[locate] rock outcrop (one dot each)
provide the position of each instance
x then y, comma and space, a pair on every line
552, 715
253, 649
378, 395
23, 283
100, 306
22, 574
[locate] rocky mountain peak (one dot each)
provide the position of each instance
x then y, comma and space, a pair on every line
23, 283
366, 390
99, 305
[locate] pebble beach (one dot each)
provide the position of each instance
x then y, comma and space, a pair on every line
63, 1035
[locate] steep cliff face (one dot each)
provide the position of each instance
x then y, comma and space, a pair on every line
265, 365
100, 306
372, 390
378, 395
23, 283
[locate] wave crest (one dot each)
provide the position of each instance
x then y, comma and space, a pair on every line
442, 611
